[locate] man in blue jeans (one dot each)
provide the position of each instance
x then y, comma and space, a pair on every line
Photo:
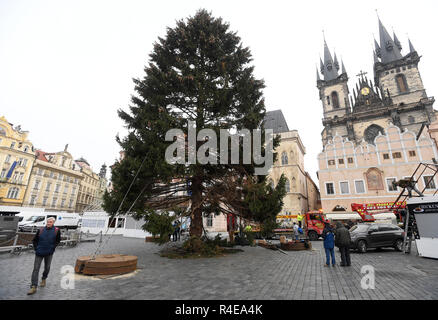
45, 241
329, 244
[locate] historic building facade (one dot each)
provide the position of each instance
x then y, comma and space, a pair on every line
92, 187
16, 159
377, 135
290, 162
54, 182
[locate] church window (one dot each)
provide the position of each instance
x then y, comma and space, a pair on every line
401, 83
350, 160
411, 119
412, 153
389, 183
344, 187
287, 185
331, 162
396, 155
329, 188
328, 100
341, 161
335, 100
284, 159
372, 132
429, 182
386, 156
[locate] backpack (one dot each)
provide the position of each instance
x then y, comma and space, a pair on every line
300, 230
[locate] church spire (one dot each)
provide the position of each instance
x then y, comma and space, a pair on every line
377, 49
343, 70
330, 70
389, 49
397, 42
411, 47
376, 59
317, 75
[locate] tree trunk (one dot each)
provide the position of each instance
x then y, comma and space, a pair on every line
196, 216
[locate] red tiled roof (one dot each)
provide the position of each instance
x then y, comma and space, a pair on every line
41, 155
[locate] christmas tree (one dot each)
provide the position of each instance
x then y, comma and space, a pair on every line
198, 72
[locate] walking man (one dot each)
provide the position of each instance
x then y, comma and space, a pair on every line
329, 244
343, 241
44, 243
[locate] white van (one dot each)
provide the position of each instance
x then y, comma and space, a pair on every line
64, 220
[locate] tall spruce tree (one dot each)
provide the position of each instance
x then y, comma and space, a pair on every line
200, 72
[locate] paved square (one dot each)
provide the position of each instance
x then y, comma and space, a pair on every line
256, 273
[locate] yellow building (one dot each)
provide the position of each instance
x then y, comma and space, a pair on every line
54, 182
16, 159
92, 187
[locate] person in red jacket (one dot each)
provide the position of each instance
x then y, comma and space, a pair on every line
44, 243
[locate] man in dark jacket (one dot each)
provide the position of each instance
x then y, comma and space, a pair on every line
329, 244
44, 243
343, 242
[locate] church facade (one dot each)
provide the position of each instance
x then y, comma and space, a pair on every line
377, 133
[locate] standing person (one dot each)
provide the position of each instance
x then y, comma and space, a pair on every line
300, 220
175, 232
45, 241
343, 241
296, 232
329, 244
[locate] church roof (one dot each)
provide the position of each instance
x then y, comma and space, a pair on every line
389, 49
275, 120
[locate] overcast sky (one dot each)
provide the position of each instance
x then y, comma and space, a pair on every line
67, 66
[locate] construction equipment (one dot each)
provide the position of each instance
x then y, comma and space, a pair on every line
425, 208
363, 209
313, 223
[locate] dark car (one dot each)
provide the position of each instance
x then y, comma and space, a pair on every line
376, 235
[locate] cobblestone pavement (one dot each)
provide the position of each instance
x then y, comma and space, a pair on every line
256, 273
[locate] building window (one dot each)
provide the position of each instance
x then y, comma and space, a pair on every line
112, 222
412, 153
37, 184
3, 174
284, 159
70, 204
65, 189
335, 100
396, 155
32, 200
73, 191
372, 132
287, 185
57, 188
331, 162
8, 158
328, 100
120, 222
13, 193
45, 201
386, 156
209, 220
12, 145
341, 161
429, 182
401, 83
350, 160
391, 187
344, 187
49, 184
329, 187
54, 200
360, 186
60, 176
62, 203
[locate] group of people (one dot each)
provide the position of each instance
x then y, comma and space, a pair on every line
339, 237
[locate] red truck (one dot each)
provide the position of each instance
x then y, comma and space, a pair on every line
313, 224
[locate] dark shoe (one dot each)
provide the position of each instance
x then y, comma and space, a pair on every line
326, 265
32, 290
334, 265
342, 265
348, 265
43, 283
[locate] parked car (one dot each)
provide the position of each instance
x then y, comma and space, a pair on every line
376, 235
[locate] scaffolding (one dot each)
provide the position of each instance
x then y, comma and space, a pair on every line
409, 185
